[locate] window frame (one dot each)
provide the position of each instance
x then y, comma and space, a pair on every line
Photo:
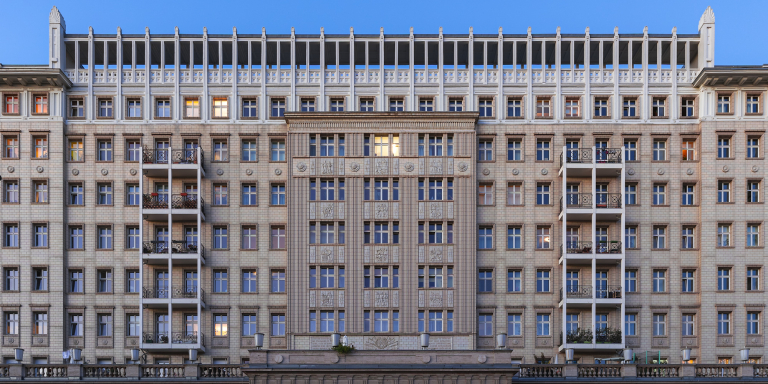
223, 109
156, 107
70, 100
110, 108
17, 96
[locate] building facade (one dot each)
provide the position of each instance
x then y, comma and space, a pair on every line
594, 192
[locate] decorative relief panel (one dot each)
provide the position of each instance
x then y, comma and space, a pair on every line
449, 298
407, 166
326, 299
421, 166
381, 166
366, 298
724, 341
367, 166
395, 254
435, 254
448, 210
312, 254
312, 295
421, 299
326, 210
341, 166
435, 298
663, 342
395, 165
326, 254
10, 340
754, 340
449, 166
326, 167
340, 210
435, 166
421, 211
220, 342
341, 254
381, 210
435, 211
341, 299
692, 342
312, 166
395, 298
449, 254
381, 299
381, 254
421, 254
395, 211
544, 342
381, 342
366, 211
367, 254
312, 210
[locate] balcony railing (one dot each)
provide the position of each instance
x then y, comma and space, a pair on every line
577, 247
604, 246
608, 292
578, 200
177, 246
173, 338
177, 156
607, 200
584, 200
178, 292
585, 155
577, 292
607, 155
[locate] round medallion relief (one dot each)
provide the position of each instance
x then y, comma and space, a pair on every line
631, 171
104, 172
11, 169
75, 172
660, 171
544, 171
301, 167
515, 171
278, 172
40, 169
755, 168
133, 172
279, 359
425, 359
726, 169
219, 171
249, 171
689, 171
482, 359
486, 171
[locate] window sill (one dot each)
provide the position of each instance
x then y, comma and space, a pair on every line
276, 205
11, 158
485, 293
755, 158
248, 249
689, 293
689, 161
690, 205
730, 247
34, 203
544, 161
725, 202
39, 158
660, 249
758, 247
217, 206
39, 247
660, 205
278, 161
725, 291
724, 114
631, 249
544, 249
745, 114
725, 158
279, 249
755, 291
9, 291
249, 161
660, 161
689, 249
40, 291
16, 203
486, 249
659, 117
544, 293
249, 205
515, 249
105, 293
516, 293
572, 118
753, 202
660, 293
219, 161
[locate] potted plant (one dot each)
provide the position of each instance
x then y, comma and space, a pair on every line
342, 349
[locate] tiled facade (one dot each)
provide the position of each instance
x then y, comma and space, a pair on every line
457, 200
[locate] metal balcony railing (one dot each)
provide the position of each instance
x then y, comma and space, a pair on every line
177, 246
607, 200
608, 292
584, 200
179, 201
173, 337
605, 246
176, 156
577, 292
577, 247
585, 156
578, 200
607, 155
178, 292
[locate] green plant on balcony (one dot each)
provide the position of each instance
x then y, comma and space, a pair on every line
343, 349
608, 335
579, 335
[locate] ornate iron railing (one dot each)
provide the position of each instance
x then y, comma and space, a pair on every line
154, 201
173, 338
176, 246
608, 292
607, 155
177, 292
176, 156
577, 292
607, 200
608, 246
577, 247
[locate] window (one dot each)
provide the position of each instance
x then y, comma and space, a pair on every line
543, 194
543, 280
630, 237
753, 279
753, 147
277, 150
249, 195
11, 279
753, 104
105, 194
601, 107
11, 323
134, 282
249, 281
630, 324
133, 194
41, 191
629, 109
723, 191
659, 280
40, 326
396, 105
515, 107
572, 107
753, 235
514, 324
278, 281
11, 192
485, 194
543, 107
688, 194
105, 324
11, 147
76, 150
220, 281
76, 107
723, 323
688, 150
455, 104
688, 237
753, 191
277, 237
76, 284
485, 107
220, 237
366, 105
723, 235
220, 324
76, 326
249, 237
485, 324
723, 104
659, 237
250, 108
630, 281
514, 280
543, 150
134, 108
514, 150
659, 194
543, 240
659, 107
723, 279
337, 105
40, 151
630, 194
105, 237
485, 281
278, 324
514, 194
485, 237
220, 194
383, 145
105, 108
278, 108
485, 150
220, 150
192, 108
307, 105
41, 279
163, 109
723, 147
249, 150
688, 281
543, 324
12, 104
249, 324
11, 236
41, 235
426, 105
220, 108
514, 237
630, 150
688, 324
659, 150
753, 323
659, 324
687, 107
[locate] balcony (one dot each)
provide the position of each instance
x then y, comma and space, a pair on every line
580, 205
582, 252
582, 295
168, 341
183, 206
580, 161
182, 162
182, 252
180, 296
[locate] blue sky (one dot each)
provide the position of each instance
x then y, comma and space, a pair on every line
741, 36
